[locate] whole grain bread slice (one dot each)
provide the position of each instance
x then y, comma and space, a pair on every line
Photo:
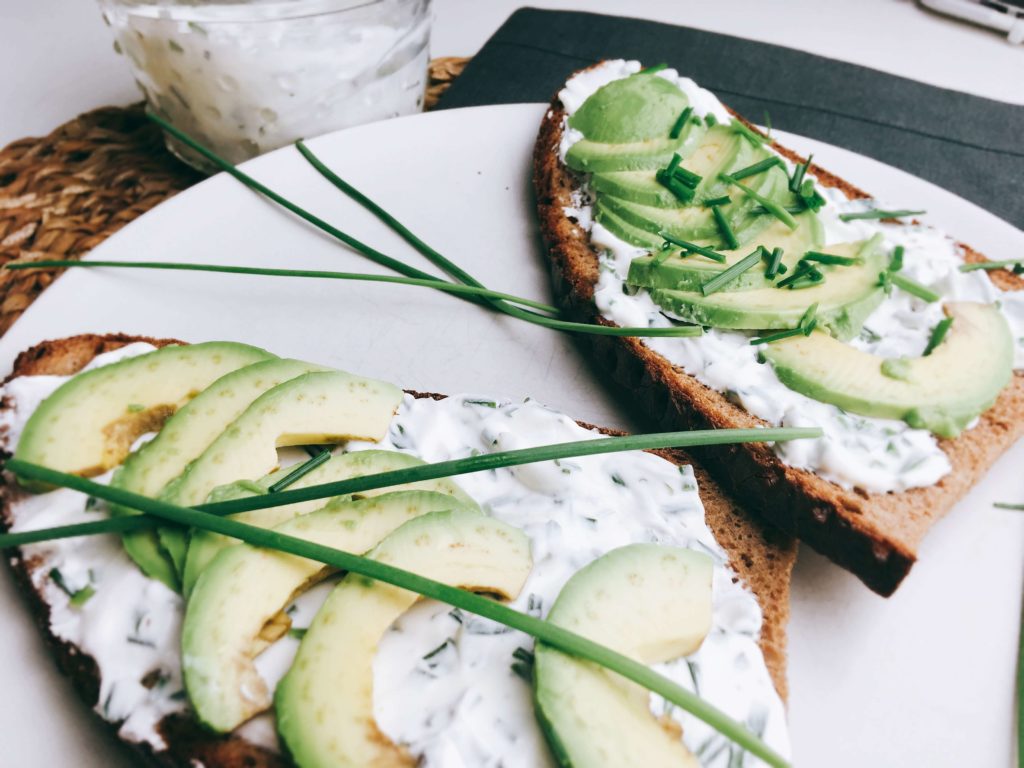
760, 555
874, 535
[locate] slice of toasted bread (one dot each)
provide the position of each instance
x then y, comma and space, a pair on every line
761, 557
874, 535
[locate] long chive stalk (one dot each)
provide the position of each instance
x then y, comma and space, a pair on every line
879, 214
543, 631
1011, 265
452, 468
406, 269
774, 208
435, 283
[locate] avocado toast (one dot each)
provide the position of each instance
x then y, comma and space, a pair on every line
817, 309
134, 680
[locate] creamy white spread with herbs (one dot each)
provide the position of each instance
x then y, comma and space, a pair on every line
876, 455
445, 686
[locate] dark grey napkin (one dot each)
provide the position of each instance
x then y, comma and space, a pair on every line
972, 146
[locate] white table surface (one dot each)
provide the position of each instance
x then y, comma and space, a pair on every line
58, 57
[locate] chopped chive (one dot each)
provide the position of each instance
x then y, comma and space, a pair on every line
787, 334
1019, 508
809, 196
76, 597
557, 637
748, 133
878, 214
752, 170
670, 169
653, 68
710, 120
771, 206
775, 265
896, 262
760, 210
693, 247
479, 463
723, 200
914, 288
799, 172
728, 275
297, 632
809, 320
885, 280
687, 177
728, 236
803, 272
938, 334
300, 471
829, 258
661, 256
682, 192
768, 124
1009, 264
681, 121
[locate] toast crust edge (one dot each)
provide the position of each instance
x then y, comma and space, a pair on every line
873, 535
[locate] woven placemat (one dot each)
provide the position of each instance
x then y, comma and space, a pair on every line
63, 194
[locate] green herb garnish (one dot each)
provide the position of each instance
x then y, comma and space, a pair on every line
804, 276
556, 637
383, 259
804, 327
748, 133
797, 180
724, 229
131, 407
710, 120
653, 68
913, 288
76, 597
896, 262
300, 471
938, 334
297, 632
877, 214
726, 276
771, 206
480, 463
829, 258
752, 170
1004, 505
774, 263
1016, 265
693, 247
768, 124
680, 122
723, 200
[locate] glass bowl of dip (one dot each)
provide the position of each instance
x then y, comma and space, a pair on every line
247, 76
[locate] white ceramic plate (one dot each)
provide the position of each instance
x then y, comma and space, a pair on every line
924, 678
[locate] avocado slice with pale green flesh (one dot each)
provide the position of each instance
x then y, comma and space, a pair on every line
696, 223
203, 546
646, 601
688, 273
88, 425
588, 156
845, 298
311, 409
632, 108
244, 590
942, 392
182, 438
625, 231
324, 704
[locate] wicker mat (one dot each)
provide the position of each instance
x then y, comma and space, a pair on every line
63, 194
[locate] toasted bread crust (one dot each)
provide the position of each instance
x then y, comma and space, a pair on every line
760, 555
874, 535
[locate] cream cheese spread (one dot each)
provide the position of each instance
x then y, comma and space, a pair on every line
444, 681
873, 454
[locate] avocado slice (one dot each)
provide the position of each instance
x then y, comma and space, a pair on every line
633, 108
311, 409
244, 590
324, 704
588, 156
625, 231
688, 273
845, 298
646, 601
182, 438
87, 426
696, 223
942, 392
203, 546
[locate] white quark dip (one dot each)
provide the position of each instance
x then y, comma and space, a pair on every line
444, 683
876, 455
245, 78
